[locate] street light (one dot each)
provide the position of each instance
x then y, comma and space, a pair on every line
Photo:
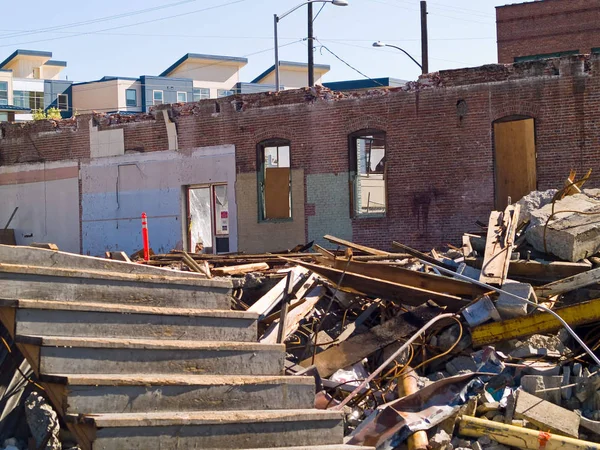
383, 44
277, 18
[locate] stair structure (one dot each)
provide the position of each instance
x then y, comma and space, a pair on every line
152, 360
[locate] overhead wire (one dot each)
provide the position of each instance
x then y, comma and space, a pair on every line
323, 46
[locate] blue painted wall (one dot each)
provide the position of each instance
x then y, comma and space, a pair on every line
51, 90
169, 86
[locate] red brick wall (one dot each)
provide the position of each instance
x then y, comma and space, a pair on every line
547, 26
439, 135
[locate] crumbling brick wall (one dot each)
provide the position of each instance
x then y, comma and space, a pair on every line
548, 26
440, 151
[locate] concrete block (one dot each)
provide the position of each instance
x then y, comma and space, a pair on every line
461, 364
480, 312
534, 383
534, 201
569, 236
217, 430
545, 415
509, 306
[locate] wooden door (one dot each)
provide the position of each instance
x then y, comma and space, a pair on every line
514, 160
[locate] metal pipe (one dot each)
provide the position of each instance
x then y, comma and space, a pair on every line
392, 358
529, 302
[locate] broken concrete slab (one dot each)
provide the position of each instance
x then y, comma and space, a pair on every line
568, 235
508, 306
534, 201
545, 415
480, 312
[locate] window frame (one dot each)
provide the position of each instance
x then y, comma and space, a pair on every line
162, 97
221, 93
185, 94
260, 173
4, 90
353, 172
200, 92
135, 104
66, 102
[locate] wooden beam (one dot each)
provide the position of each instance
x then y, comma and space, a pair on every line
519, 437
412, 278
241, 269
267, 302
360, 346
420, 255
535, 271
569, 284
499, 244
363, 285
538, 323
353, 246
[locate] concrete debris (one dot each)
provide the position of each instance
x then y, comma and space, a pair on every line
43, 422
508, 306
533, 202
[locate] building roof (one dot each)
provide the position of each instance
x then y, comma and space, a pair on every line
350, 85
25, 53
13, 108
187, 56
263, 75
54, 62
106, 78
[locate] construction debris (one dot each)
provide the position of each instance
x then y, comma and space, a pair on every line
489, 345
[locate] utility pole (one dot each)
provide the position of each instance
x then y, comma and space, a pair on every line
424, 39
311, 56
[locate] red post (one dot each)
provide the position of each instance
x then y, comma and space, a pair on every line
145, 237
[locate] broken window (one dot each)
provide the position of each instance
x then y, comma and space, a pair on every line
368, 173
274, 180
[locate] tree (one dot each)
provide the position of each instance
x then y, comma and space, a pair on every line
51, 114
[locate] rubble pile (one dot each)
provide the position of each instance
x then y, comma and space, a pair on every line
460, 348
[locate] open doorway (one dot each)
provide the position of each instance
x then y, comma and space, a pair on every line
208, 219
514, 159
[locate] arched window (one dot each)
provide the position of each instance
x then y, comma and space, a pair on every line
274, 179
368, 173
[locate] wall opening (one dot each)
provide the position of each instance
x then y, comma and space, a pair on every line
515, 172
208, 219
368, 170
274, 180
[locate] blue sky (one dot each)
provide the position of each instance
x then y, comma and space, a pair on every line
149, 35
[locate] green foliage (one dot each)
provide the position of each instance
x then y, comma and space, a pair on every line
51, 114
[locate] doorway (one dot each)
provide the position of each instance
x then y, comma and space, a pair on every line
208, 219
514, 160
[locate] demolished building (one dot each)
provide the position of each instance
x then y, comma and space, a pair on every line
419, 163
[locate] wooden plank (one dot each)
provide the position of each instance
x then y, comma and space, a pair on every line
294, 317
359, 284
267, 302
538, 271
353, 246
515, 161
413, 278
277, 193
467, 248
241, 269
499, 244
420, 255
569, 284
360, 346
538, 323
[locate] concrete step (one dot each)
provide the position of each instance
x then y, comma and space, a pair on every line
77, 355
320, 447
46, 283
59, 318
95, 394
215, 430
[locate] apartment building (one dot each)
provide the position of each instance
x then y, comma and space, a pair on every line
30, 80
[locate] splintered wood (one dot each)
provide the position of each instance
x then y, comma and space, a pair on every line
498, 247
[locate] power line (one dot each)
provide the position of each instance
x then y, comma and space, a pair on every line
92, 21
323, 46
129, 25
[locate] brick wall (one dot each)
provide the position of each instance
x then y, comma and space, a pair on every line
439, 134
547, 26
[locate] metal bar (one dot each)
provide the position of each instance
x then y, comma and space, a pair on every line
275, 22
11, 218
543, 308
392, 358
